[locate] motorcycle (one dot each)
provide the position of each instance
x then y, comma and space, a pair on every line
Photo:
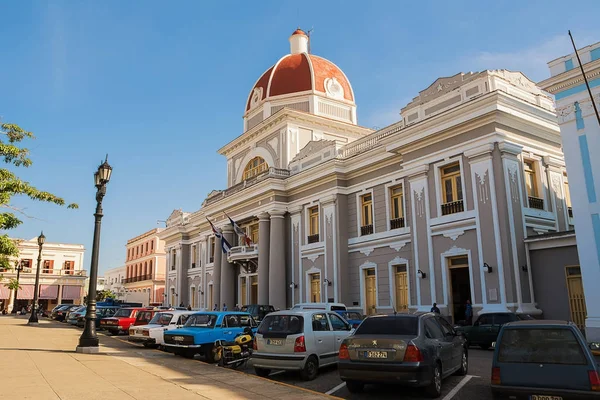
234, 354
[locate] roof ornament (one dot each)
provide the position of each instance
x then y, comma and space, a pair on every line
308, 34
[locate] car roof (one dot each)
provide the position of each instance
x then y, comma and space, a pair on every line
540, 322
220, 312
299, 312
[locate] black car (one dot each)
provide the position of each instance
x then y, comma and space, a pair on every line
416, 350
59, 313
258, 311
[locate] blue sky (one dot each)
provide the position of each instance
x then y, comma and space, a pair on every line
161, 88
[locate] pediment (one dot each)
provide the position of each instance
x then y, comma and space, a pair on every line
313, 147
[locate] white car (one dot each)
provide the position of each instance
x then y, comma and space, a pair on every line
152, 335
302, 340
319, 306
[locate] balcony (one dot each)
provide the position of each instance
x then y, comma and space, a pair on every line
138, 278
59, 272
453, 207
397, 223
366, 230
241, 253
570, 212
536, 202
313, 239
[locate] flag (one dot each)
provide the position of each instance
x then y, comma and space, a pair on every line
239, 230
225, 246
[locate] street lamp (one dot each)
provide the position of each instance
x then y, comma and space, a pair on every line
19, 268
88, 342
33, 318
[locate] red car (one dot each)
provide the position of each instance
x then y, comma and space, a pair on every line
121, 321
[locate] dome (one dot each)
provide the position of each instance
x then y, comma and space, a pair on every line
300, 73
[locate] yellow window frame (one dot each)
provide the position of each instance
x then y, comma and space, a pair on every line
366, 201
451, 174
313, 220
530, 178
396, 202
255, 167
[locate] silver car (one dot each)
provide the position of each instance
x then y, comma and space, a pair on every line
301, 340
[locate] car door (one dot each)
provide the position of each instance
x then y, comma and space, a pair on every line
324, 339
499, 320
454, 339
482, 328
442, 347
341, 330
231, 327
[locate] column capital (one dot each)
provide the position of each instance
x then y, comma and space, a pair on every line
295, 210
327, 200
479, 151
554, 162
264, 217
277, 213
510, 148
227, 228
418, 173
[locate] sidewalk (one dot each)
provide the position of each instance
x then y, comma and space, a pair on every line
39, 362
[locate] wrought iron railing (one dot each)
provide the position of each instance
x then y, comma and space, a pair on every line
211, 260
366, 230
397, 223
453, 207
366, 143
536, 202
313, 238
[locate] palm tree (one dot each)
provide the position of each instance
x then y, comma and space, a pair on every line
13, 284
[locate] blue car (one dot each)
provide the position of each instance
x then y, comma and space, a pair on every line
353, 317
202, 329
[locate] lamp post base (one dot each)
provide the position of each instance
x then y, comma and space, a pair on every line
87, 349
33, 322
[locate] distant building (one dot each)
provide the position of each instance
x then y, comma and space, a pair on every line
580, 135
114, 279
145, 269
62, 277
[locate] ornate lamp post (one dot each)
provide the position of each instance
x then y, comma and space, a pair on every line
19, 268
33, 318
88, 342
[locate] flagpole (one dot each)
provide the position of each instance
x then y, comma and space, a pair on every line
585, 78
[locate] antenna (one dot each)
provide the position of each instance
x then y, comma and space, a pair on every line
308, 34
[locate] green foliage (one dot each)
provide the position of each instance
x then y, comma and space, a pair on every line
105, 294
11, 135
13, 284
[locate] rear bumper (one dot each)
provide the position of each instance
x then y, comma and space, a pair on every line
518, 393
141, 339
409, 374
289, 362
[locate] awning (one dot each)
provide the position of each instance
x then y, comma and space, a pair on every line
26, 292
48, 292
4, 292
71, 292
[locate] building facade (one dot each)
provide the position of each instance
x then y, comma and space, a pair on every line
580, 131
114, 279
145, 269
432, 209
62, 277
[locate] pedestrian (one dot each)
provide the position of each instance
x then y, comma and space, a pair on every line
189, 308
469, 313
216, 307
224, 307
236, 308
435, 309
182, 305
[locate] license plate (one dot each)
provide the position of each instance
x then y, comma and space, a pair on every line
275, 342
178, 338
544, 397
375, 354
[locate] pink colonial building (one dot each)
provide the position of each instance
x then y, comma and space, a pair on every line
145, 269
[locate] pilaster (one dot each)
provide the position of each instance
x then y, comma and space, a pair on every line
419, 201
296, 272
216, 275
554, 168
277, 281
227, 273
328, 206
264, 237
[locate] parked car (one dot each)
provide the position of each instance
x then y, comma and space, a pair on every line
73, 315
152, 335
72, 310
542, 360
59, 313
144, 317
101, 312
301, 340
121, 320
486, 327
353, 317
320, 306
418, 350
258, 311
201, 330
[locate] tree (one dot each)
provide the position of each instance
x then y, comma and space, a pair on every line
105, 294
11, 135
13, 284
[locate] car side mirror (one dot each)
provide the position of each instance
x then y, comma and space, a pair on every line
594, 346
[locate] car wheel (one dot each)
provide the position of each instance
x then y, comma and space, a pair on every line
262, 372
464, 364
354, 386
434, 390
485, 346
311, 369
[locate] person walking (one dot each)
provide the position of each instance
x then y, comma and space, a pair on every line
224, 307
435, 309
216, 308
236, 308
189, 308
469, 313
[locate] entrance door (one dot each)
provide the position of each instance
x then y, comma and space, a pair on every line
401, 285
211, 302
371, 291
243, 291
315, 288
460, 287
254, 289
172, 304
576, 296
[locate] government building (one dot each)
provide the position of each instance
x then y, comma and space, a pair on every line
435, 208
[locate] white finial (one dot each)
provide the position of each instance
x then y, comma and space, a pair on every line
298, 42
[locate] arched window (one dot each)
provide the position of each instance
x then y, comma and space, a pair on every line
255, 167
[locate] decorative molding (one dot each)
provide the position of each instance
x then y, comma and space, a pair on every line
313, 257
453, 234
333, 88
274, 143
399, 245
510, 148
367, 251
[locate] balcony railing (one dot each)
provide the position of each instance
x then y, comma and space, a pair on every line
60, 272
313, 238
242, 253
366, 230
138, 278
397, 223
453, 207
536, 202
570, 212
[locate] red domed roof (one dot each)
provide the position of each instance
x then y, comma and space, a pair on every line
301, 72
299, 32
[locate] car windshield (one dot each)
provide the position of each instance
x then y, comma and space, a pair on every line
123, 312
201, 321
540, 346
524, 317
161, 318
351, 315
338, 308
284, 324
399, 325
